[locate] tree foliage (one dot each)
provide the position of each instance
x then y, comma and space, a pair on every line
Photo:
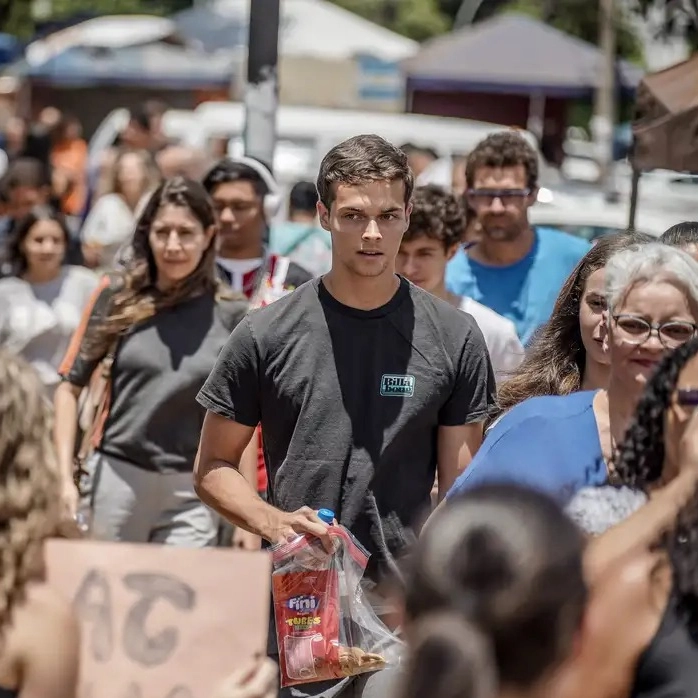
675, 17
16, 18
580, 18
417, 19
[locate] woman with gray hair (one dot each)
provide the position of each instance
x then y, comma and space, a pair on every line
563, 444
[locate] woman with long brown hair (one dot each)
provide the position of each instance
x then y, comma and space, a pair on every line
125, 188
39, 634
161, 324
567, 354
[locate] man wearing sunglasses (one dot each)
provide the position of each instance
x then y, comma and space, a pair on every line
514, 269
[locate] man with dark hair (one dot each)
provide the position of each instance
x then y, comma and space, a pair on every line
365, 385
246, 198
432, 239
515, 269
301, 238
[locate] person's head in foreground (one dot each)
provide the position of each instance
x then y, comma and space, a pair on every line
38, 627
568, 355
652, 299
436, 228
495, 597
29, 492
684, 236
365, 188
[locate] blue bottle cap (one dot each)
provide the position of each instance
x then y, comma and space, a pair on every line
326, 515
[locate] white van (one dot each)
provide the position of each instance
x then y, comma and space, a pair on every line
305, 134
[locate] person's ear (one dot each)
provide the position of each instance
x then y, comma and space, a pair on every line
323, 215
533, 196
451, 251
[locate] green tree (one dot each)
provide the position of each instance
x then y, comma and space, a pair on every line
417, 19
580, 18
65, 8
16, 18
677, 15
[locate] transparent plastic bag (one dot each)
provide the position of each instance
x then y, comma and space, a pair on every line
325, 628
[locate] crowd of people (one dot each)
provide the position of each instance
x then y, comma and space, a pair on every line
507, 425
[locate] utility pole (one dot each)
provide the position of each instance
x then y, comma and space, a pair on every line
262, 90
604, 119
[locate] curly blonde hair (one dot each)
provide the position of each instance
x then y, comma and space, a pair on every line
29, 480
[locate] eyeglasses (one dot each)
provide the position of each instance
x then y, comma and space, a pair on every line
636, 330
486, 197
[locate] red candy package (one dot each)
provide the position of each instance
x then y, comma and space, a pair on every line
324, 627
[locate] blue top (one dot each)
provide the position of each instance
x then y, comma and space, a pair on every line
524, 292
549, 443
326, 515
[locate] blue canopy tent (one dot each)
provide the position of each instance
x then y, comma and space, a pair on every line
160, 65
212, 29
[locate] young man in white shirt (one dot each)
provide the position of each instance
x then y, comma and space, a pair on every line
433, 237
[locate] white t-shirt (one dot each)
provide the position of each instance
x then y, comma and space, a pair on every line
506, 350
37, 321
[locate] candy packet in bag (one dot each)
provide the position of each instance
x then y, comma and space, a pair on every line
325, 627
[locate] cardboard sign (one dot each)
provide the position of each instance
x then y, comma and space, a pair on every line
159, 621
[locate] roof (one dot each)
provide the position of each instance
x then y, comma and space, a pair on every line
308, 28
159, 64
512, 53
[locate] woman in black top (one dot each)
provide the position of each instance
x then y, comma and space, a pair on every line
164, 320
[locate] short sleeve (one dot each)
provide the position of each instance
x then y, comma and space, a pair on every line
232, 388
500, 460
474, 392
77, 366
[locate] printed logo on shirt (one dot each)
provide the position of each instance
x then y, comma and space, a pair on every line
400, 386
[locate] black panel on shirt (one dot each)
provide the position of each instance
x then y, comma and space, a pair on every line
350, 401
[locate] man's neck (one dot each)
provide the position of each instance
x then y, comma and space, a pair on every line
503, 253
362, 293
441, 292
252, 252
304, 218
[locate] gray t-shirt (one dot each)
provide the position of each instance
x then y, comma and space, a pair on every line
350, 401
38, 320
154, 420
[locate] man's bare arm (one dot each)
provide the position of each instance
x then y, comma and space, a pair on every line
220, 485
456, 447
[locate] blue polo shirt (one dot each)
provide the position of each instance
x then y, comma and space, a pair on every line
524, 292
548, 443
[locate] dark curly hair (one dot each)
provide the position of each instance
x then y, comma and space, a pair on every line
554, 364
639, 462
640, 458
437, 215
503, 149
